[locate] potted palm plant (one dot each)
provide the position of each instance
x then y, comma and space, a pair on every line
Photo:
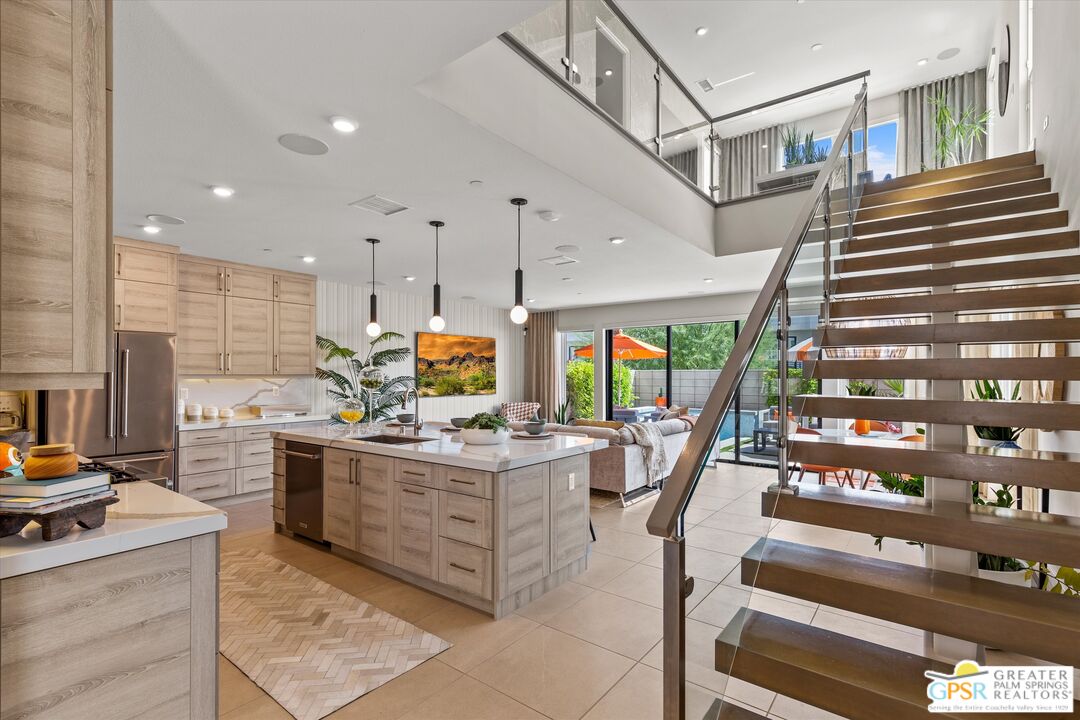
1002, 437
351, 387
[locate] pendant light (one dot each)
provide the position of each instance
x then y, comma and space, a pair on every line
373, 329
519, 314
436, 323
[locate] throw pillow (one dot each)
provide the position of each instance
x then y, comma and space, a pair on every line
613, 424
519, 411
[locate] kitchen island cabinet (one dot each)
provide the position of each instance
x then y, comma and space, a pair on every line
493, 527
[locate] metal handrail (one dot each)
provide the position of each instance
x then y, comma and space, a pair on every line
792, 96
665, 518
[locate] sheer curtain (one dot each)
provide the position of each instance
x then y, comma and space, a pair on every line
541, 362
744, 157
917, 136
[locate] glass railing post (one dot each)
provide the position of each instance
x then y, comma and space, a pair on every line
675, 626
865, 130
826, 251
782, 388
658, 140
851, 182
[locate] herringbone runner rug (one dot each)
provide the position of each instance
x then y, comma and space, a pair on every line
312, 647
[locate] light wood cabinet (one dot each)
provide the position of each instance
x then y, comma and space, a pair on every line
524, 527
249, 336
376, 480
201, 277
415, 530
569, 510
54, 240
144, 306
294, 339
248, 283
465, 567
200, 333
144, 262
339, 497
299, 289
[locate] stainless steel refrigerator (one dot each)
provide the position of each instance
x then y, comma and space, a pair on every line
130, 423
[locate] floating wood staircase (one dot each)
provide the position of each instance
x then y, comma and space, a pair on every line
989, 238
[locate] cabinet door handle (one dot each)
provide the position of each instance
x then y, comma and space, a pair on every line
119, 315
206, 437
228, 282
413, 492
228, 362
276, 363
462, 567
119, 257
462, 482
463, 519
352, 470
221, 281
413, 473
210, 459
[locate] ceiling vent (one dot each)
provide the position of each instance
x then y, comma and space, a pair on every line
706, 85
380, 205
559, 260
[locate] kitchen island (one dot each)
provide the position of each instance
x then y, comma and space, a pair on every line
491, 526
118, 621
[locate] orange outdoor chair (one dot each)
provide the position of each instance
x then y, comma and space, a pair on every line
823, 471
869, 476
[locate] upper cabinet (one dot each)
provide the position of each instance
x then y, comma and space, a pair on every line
243, 320
144, 286
54, 241
144, 262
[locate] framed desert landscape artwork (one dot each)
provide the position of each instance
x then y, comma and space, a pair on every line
454, 365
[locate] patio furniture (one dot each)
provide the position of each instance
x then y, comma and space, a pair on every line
823, 471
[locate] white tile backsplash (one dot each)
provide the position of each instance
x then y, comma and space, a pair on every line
237, 393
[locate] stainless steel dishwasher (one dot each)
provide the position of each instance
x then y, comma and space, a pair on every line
303, 490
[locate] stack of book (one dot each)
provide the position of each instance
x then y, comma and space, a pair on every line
41, 497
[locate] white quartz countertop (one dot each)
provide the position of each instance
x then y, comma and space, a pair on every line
446, 448
146, 514
247, 420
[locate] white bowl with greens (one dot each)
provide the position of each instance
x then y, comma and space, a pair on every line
485, 429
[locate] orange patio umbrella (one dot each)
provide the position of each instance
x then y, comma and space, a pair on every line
624, 347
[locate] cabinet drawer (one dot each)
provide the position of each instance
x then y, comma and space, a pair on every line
463, 480
279, 515
253, 479
417, 473
207, 486
256, 432
205, 437
206, 458
465, 567
465, 518
254, 452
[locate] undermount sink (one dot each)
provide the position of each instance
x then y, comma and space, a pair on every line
394, 439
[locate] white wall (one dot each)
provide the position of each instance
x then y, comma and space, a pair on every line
341, 314
757, 223
1005, 134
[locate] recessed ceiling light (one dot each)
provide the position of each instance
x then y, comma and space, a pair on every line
549, 216
408, 278
609, 72
343, 124
530, 299
567, 248
764, 147
308, 258
617, 240
160, 219
151, 229
701, 31
708, 280
816, 46
303, 144
922, 61
222, 192
948, 53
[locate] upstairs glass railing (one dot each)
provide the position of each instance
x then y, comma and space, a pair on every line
593, 50
702, 622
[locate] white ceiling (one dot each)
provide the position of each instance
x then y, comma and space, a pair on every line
203, 90
772, 39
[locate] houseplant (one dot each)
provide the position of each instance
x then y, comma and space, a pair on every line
1004, 437
359, 372
858, 388
485, 429
956, 133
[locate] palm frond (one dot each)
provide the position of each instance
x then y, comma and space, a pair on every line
388, 335
390, 355
339, 380
404, 381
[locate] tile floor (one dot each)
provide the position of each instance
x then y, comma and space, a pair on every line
591, 648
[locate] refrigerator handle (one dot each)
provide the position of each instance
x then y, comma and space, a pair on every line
110, 404
125, 363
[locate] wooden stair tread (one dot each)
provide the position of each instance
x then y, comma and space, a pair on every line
1033, 203
995, 331
965, 231
999, 177
982, 528
1030, 296
944, 174
1026, 244
835, 672
1032, 368
1051, 267
1030, 468
992, 413
945, 200
1033, 622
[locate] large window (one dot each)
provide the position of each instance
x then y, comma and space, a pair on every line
577, 374
882, 156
